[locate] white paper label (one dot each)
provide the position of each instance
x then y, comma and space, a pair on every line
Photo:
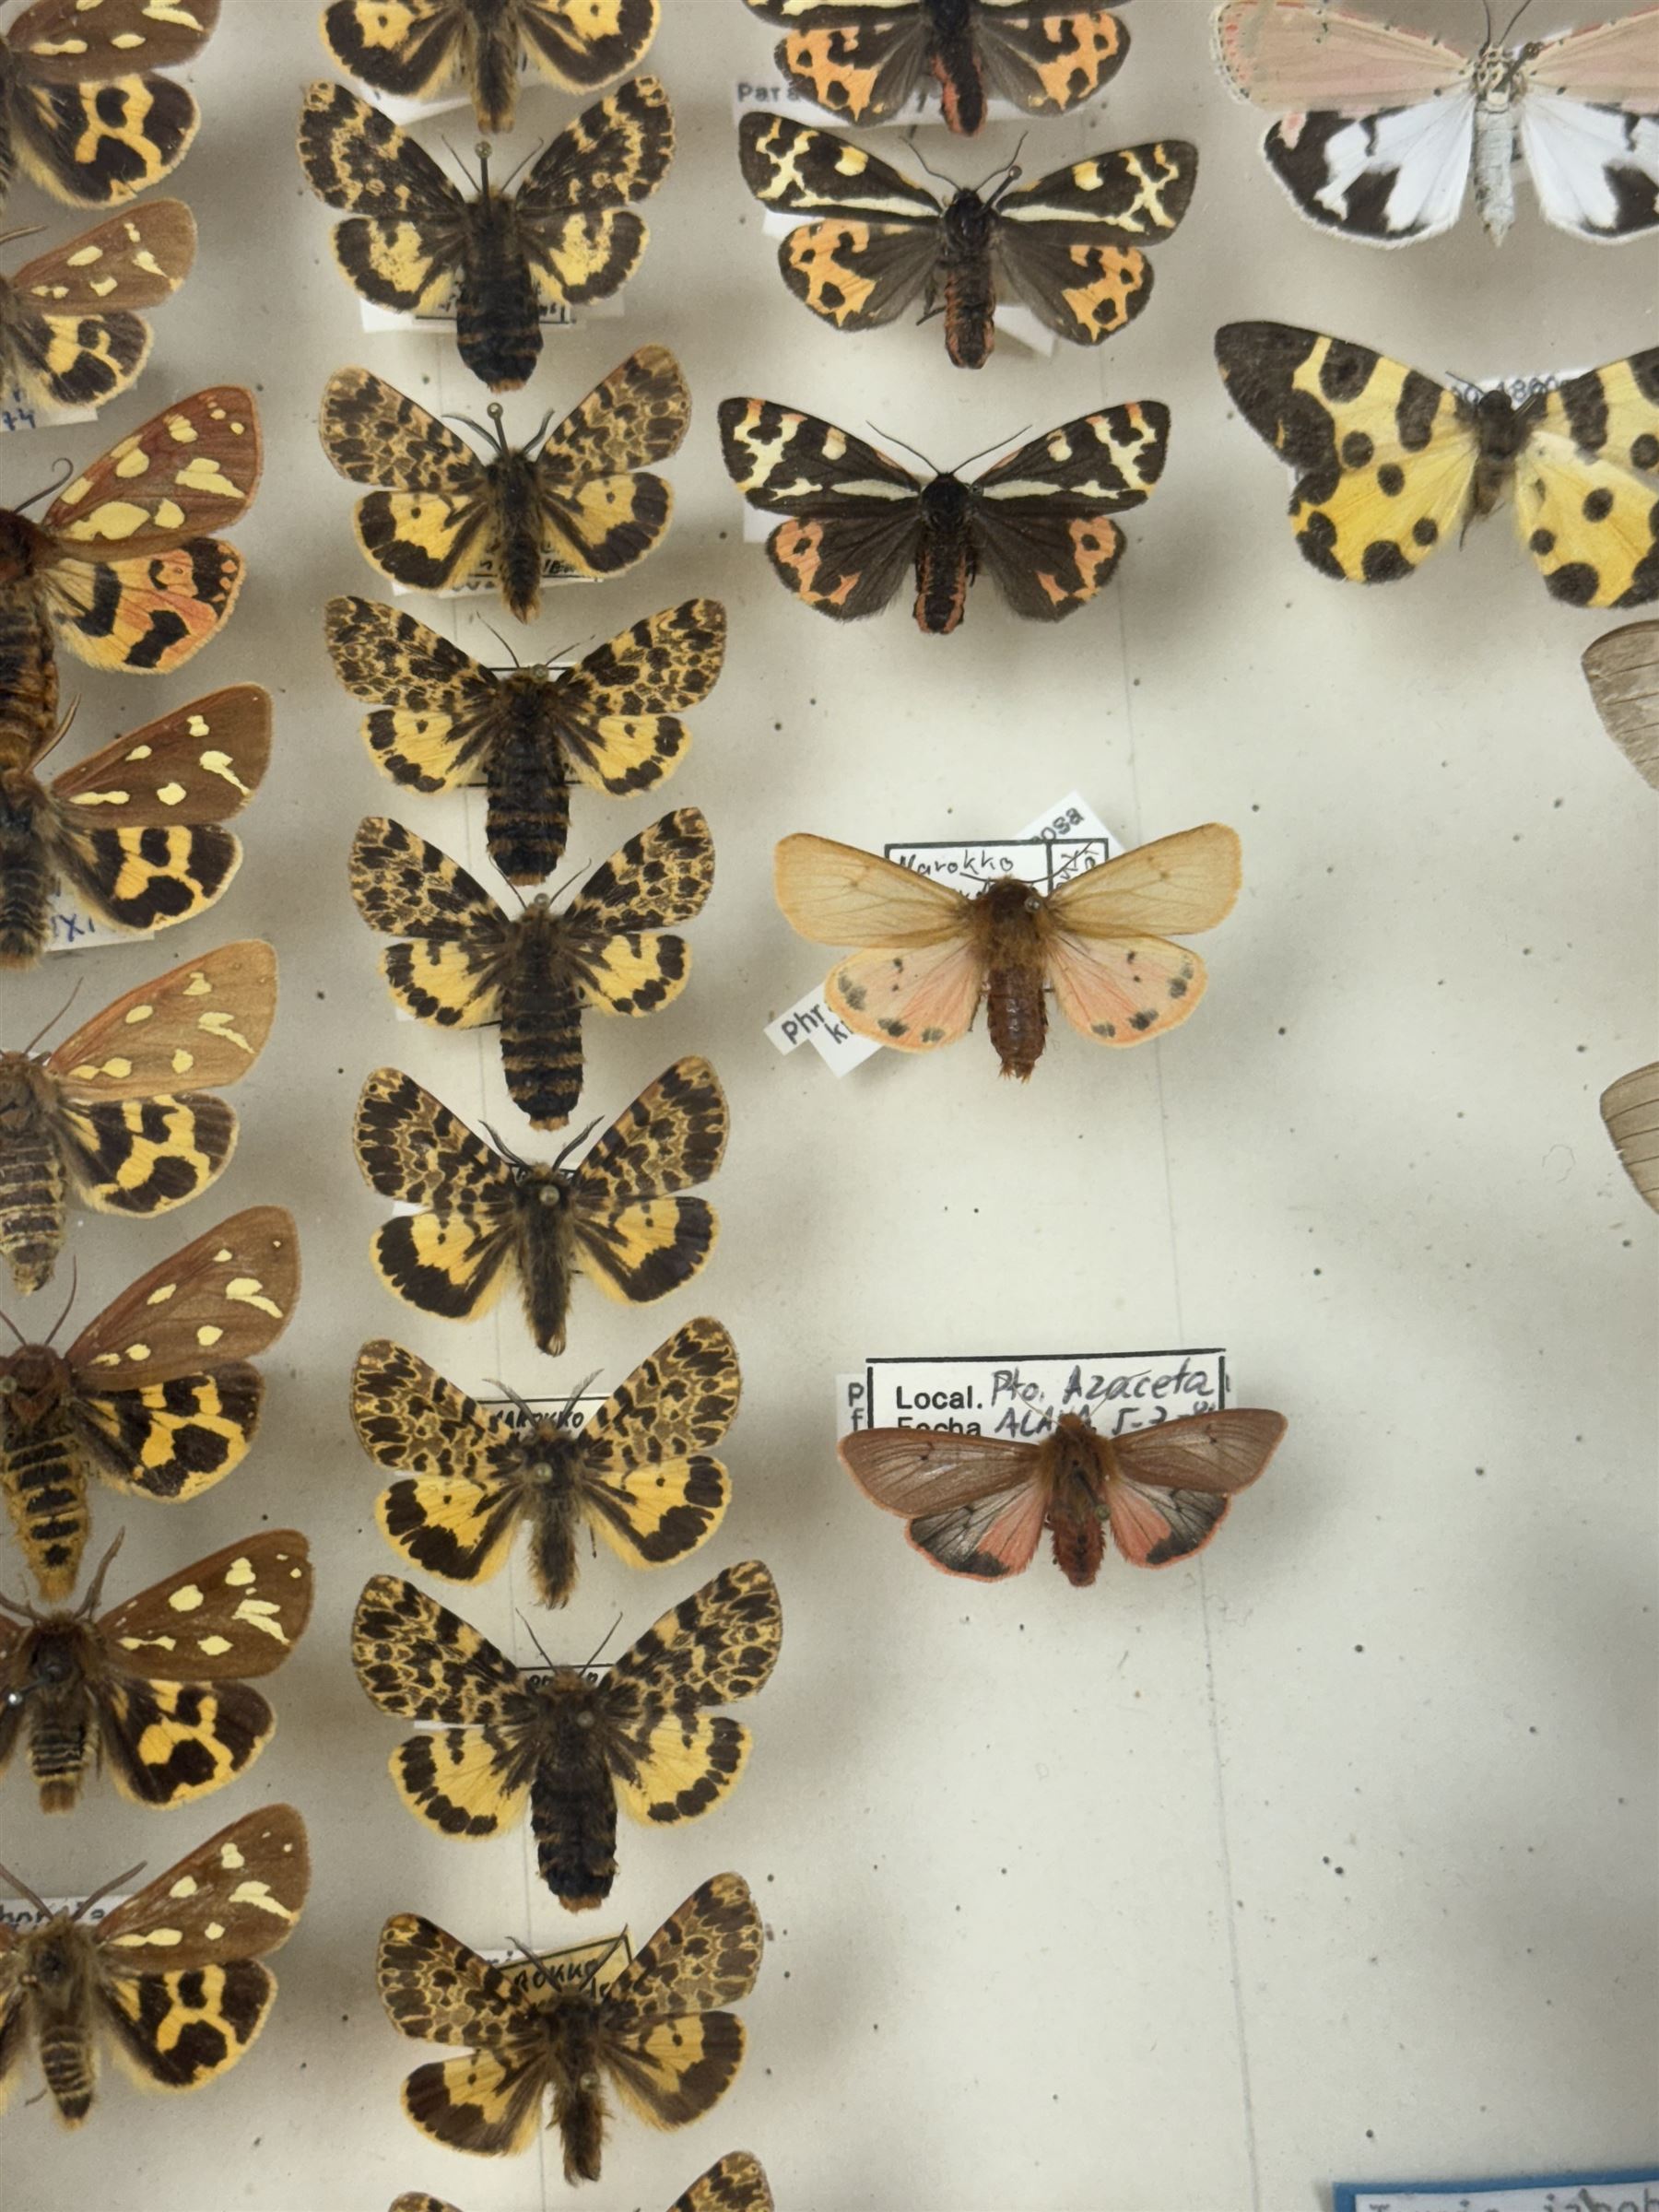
483, 579
1064, 839
592, 1966
1022, 1397
1607, 2193
766, 92
18, 1914
73, 929
377, 319
18, 413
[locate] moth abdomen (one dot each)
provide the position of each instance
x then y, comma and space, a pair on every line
955, 64
32, 1190
541, 1046
1079, 1540
574, 1816
25, 886
945, 559
69, 2063
58, 1751
545, 1258
1017, 1016
968, 281
579, 2115
29, 674
528, 822
553, 1546
45, 1488
497, 326
492, 32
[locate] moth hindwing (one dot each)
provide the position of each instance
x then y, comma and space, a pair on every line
660, 2035
70, 332
577, 495
156, 1690
415, 244
639, 1472
416, 53
466, 962
155, 1396
82, 109
567, 1745
617, 1217
614, 722
119, 568
118, 1115
171, 1976
1390, 465
1067, 247
867, 65
855, 521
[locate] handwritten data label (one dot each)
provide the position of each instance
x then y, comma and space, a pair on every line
1635, 2191
18, 1914
765, 92
564, 317
1064, 839
593, 1966
20, 413
73, 929
483, 579
1022, 1397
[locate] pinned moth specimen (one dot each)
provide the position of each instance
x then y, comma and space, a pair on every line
155, 1690
869, 59
578, 498
170, 1978
82, 110
133, 832
978, 1505
419, 48
931, 956
118, 568
1622, 670
417, 245
640, 1473
736, 2184
70, 332
567, 1745
155, 1396
1389, 465
856, 522
1631, 1110
486, 1216
659, 2035
465, 961
114, 1115
1068, 246
612, 721
1384, 129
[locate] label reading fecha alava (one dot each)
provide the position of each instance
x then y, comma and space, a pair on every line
1021, 1398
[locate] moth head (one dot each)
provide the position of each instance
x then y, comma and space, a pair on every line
22, 542
21, 1075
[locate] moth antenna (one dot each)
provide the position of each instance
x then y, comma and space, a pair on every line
1486, 9
581, 1136
560, 653
61, 732
55, 1020
74, 1287
1007, 170
923, 162
104, 1889
603, 1641
579, 1393
89, 1603
502, 1147
57, 484
547, 1659
512, 1397
8, 238
22, 1890
461, 165
505, 647
546, 423
531, 1959
21, 1610
506, 184
989, 449
909, 449
12, 1326
1508, 31
481, 155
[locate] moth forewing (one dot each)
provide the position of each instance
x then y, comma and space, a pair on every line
1631, 1110
736, 2184
416, 54
1622, 670
70, 335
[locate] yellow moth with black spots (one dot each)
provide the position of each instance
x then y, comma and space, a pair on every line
482, 1215
567, 1743
83, 110
119, 1115
70, 332
170, 1979
577, 495
415, 48
416, 244
639, 1472
466, 962
155, 1396
660, 2035
156, 1690
1390, 465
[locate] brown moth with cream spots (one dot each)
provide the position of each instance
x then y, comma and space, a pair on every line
658, 2035
119, 1115
70, 333
134, 834
156, 1690
170, 1977
155, 1396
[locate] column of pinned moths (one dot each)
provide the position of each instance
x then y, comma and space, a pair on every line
128, 1663
505, 513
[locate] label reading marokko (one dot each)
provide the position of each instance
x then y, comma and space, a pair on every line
1021, 1398
1064, 839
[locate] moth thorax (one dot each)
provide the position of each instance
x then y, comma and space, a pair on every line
55, 1963
1496, 78
969, 224
945, 560
25, 1090
1075, 1471
33, 1382
1503, 428
19, 800
22, 545
950, 19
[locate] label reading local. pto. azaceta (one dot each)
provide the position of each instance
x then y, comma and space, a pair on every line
1064, 839
1022, 1396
